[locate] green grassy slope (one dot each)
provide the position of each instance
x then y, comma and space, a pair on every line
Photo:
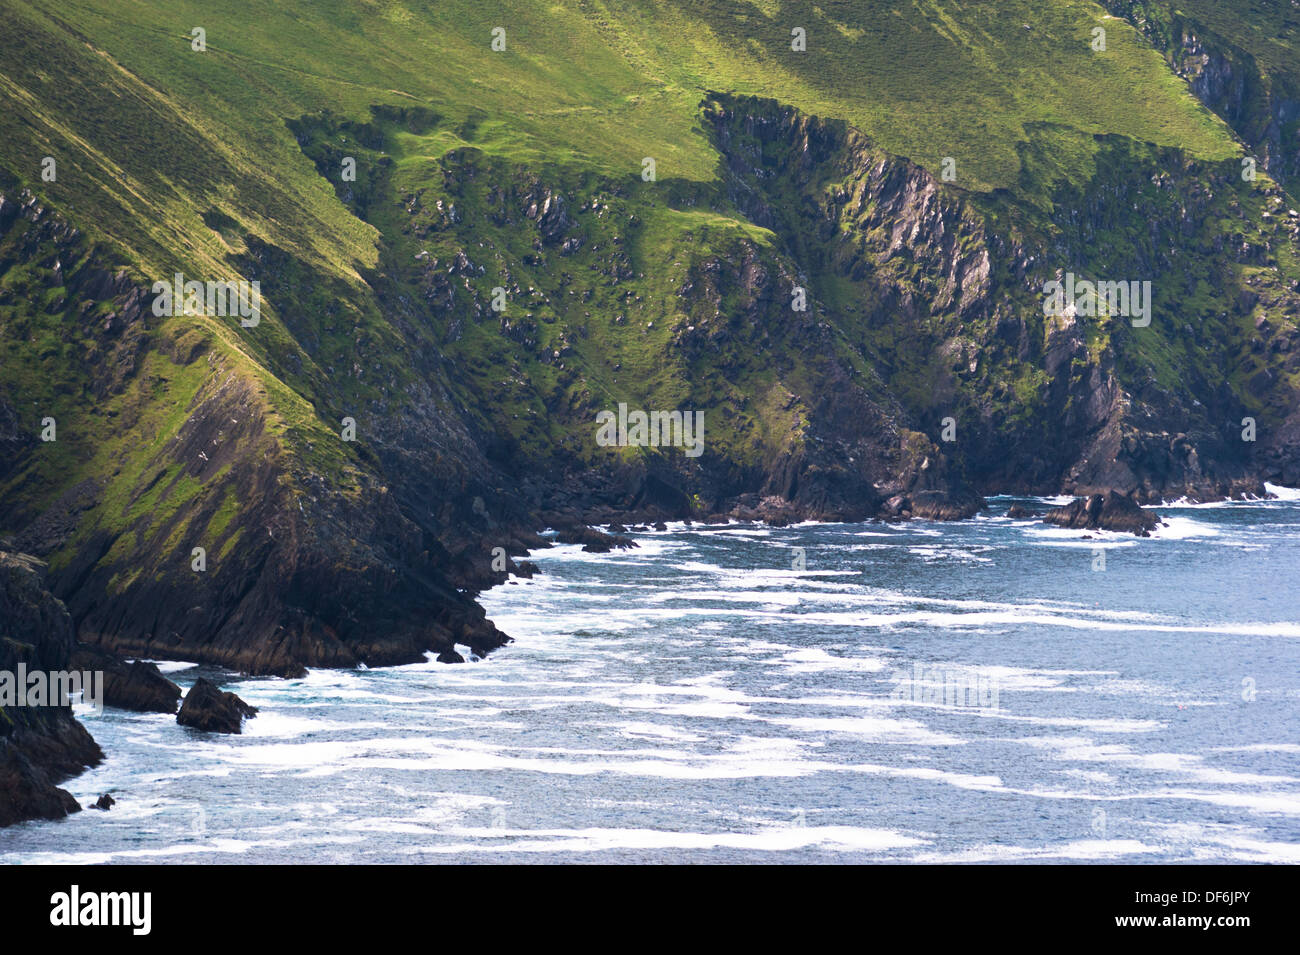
1242, 60
604, 84
156, 143
1269, 29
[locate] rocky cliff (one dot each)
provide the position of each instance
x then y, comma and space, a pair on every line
465, 265
460, 276
40, 745
861, 340
947, 306
194, 532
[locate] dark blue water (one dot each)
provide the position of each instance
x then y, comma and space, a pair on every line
970, 692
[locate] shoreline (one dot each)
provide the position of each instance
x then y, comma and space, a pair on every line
704, 526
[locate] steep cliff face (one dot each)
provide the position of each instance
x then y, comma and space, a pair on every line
557, 296
943, 294
40, 745
1206, 399
859, 337
130, 443
865, 338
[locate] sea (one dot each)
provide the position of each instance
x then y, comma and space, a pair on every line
987, 691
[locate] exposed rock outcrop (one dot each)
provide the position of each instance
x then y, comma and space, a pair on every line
138, 685
955, 505
1110, 511
327, 572
593, 541
207, 707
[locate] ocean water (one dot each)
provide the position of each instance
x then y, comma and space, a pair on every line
929, 693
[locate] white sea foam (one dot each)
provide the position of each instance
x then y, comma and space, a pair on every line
817, 660
772, 839
172, 666
967, 554
1183, 528
871, 730
1091, 850
1047, 535
655, 731
1193, 767
645, 683
1283, 493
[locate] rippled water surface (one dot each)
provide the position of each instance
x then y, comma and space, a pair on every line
917, 693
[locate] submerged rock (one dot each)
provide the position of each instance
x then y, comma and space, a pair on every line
1110, 512
213, 710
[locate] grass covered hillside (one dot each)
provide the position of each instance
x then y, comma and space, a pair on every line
1240, 60
464, 257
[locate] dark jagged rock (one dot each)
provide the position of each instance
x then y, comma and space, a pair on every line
592, 540
138, 686
1017, 512
777, 512
40, 746
946, 505
1111, 512
213, 710
105, 802
547, 209
927, 487
526, 568
450, 656
27, 789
